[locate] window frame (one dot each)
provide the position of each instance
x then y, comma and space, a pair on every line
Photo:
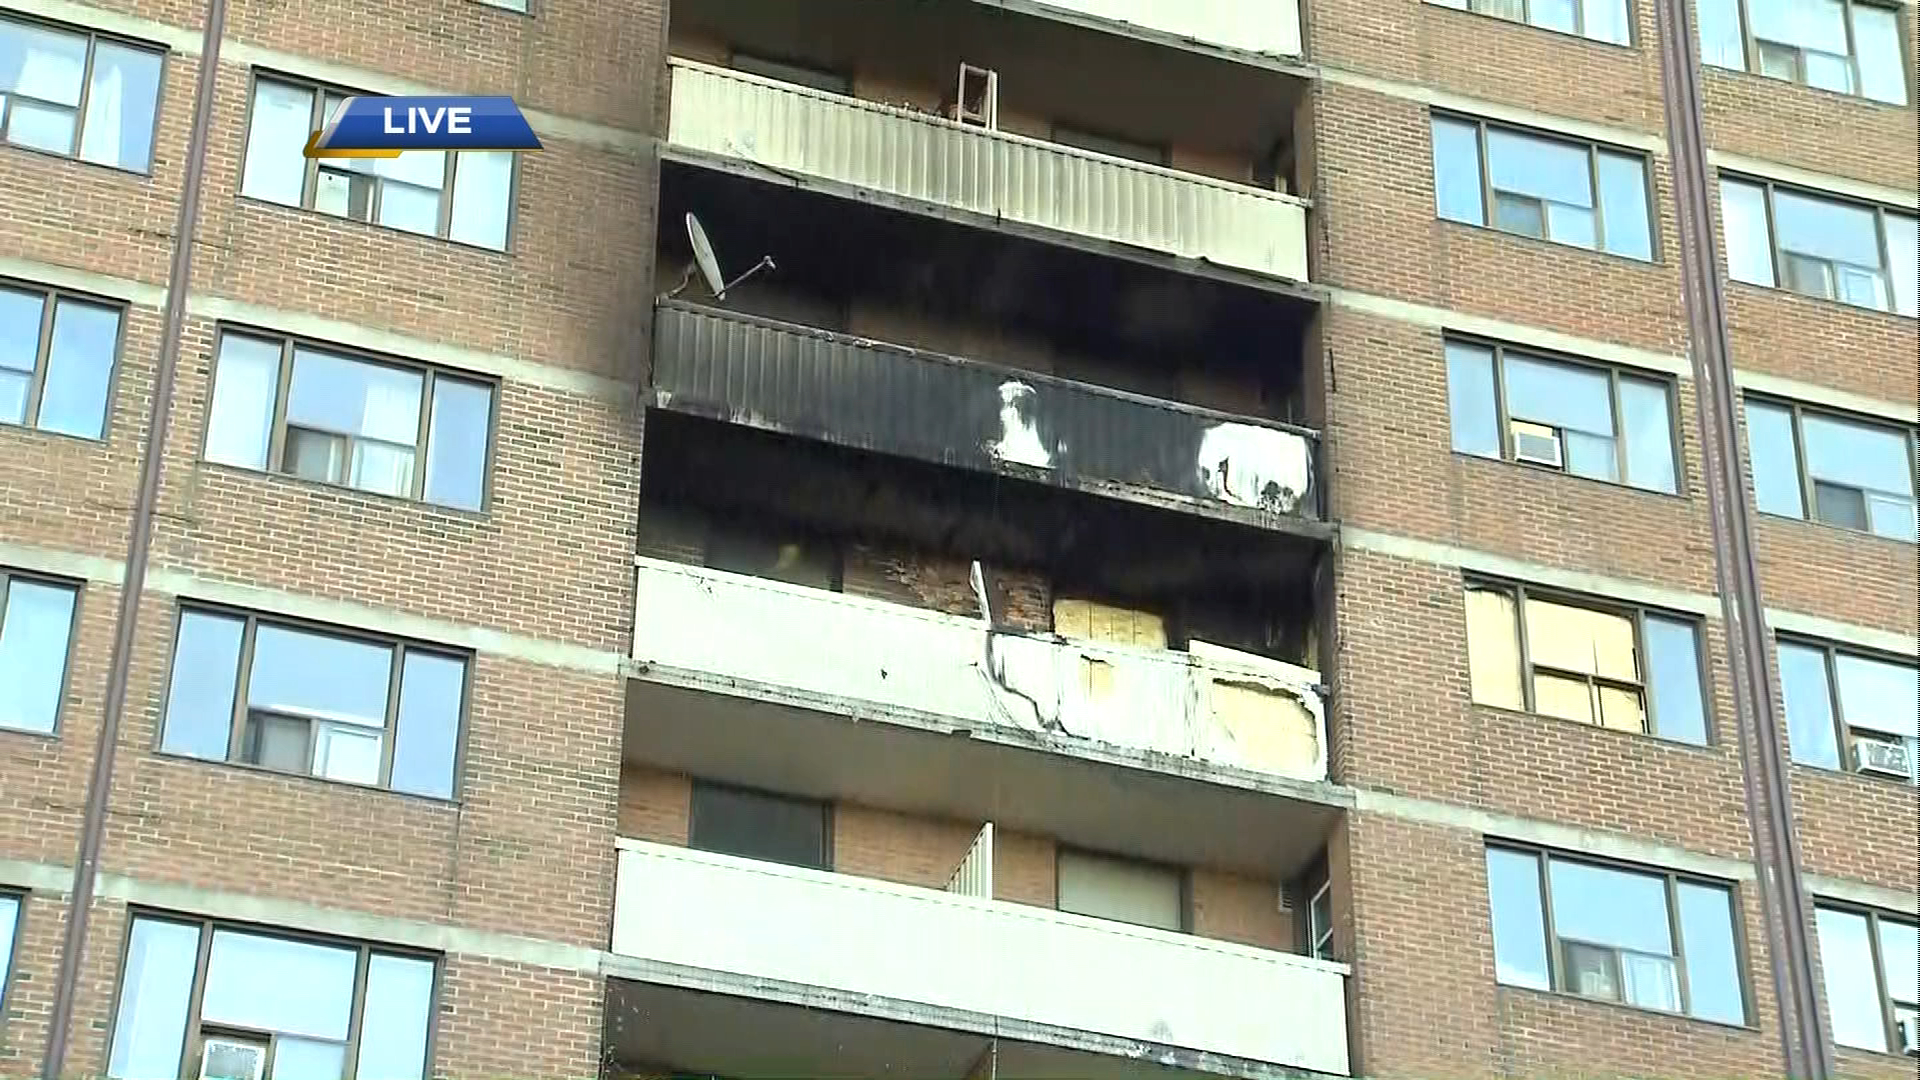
1526, 11
309, 177
1593, 149
1750, 55
195, 1031
283, 394
1882, 989
1183, 874
8, 575
1636, 614
93, 38
1671, 880
19, 897
398, 647
826, 820
50, 298
1614, 374
1830, 652
1797, 412
1767, 188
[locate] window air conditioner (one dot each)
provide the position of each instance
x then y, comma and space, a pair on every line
1882, 758
1910, 1033
1536, 444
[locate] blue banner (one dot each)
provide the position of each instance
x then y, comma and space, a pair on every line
386, 126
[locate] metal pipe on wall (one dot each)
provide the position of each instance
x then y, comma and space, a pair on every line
1784, 901
86, 869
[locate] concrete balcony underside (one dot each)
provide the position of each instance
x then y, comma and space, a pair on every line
1253, 30
841, 975
869, 395
927, 164
1161, 755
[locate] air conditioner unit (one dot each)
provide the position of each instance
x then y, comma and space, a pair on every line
1536, 444
976, 103
1882, 758
1909, 1027
231, 1059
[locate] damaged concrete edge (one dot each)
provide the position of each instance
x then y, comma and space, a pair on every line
1283, 63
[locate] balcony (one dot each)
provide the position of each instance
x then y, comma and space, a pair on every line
1253, 27
994, 179
892, 399
732, 926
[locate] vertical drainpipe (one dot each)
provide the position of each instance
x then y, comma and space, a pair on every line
86, 868
1783, 897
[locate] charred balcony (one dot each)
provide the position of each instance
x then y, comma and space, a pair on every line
881, 332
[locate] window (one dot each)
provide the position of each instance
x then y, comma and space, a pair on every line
1320, 922
289, 407
511, 5
1601, 20
36, 634
1872, 978
1123, 890
9, 936
1586, 420
1829, 249
1861, 474
1111, 146
1619, 668
222, 1003
786, 71
77, 94
758, 825
56, 361
1839, 45
465, 196
1846, 710
1639, 937
1541, 186
314, 702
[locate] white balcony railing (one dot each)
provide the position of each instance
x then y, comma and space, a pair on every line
929, 159
1223, 708
1268, 27
931, 948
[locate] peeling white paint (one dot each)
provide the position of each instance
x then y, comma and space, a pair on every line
1258, 467
1019, 440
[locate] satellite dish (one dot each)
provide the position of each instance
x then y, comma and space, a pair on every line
707, 264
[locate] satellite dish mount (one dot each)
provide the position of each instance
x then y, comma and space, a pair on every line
707, 265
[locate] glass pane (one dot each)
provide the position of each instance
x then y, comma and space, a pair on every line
1122, 890
1456, 171
1471, 406
1582, 640
1713, 964
1891, 516
1646, 412
412, 209
79, 369
37, 627
1829, 71
1607, 21
319, 676
1853, 987
350, 755
457, 443
150, 1023
120, 103
1574, 225
1879, 695
1553, 15
41, 62
206, 672
1743, 212
1543, 168
278, 985
1720, 37
1876, 43
482, 199
276, 167
1858, 455
382, 467
1900, 959
312, 455
308, 1059
393, 1037
1623, 201
1776, 465
1493, 649
352, 397
1903, 245
1622, 709
1823, 228
1595, 456
1563, 395
431, 691
14, 389
1519, 927
1610, 907
246, 383
1592, 971
9, 922
1673, 677
1809, 24
1652, 982
415, 168
1568, 699
1519, 214
1809, 705
20, 314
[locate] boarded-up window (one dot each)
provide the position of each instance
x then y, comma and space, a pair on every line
1493, 649
1089, 621
1123, 890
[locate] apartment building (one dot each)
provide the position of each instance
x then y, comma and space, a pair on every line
1055, 538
